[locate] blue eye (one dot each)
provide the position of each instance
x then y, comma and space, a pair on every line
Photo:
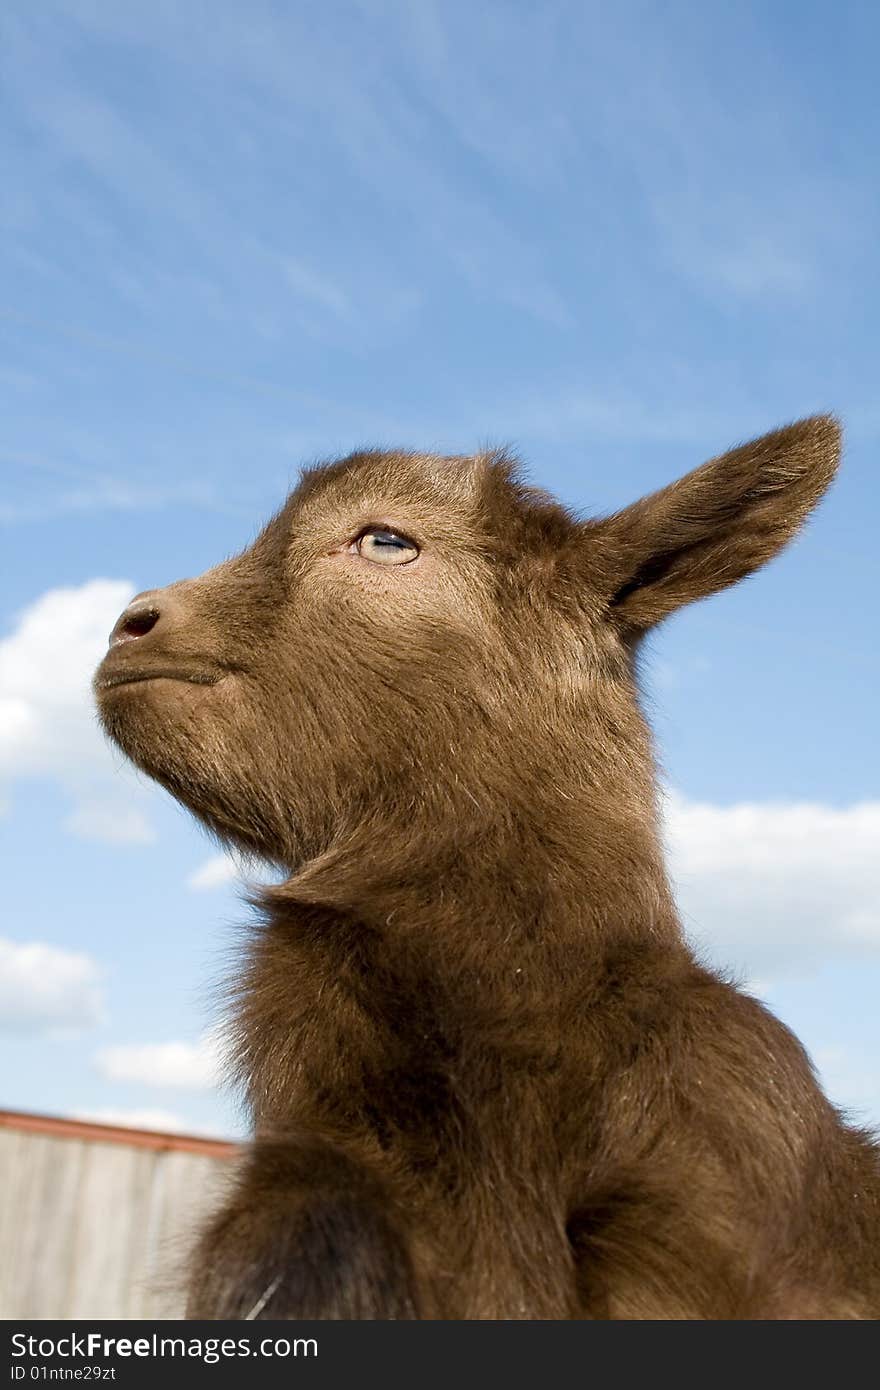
386, 547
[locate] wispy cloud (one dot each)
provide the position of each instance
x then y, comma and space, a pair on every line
231, 867
308, 283
605, 412
164, 1121
852, 1080
180, 1065
756, 267
214, 873
101, 493
372, 123
17, 380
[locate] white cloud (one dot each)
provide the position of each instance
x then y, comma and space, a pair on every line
775, 887
166, 1121
228, 868
181, 1065
221, 869
44, 989
48, 726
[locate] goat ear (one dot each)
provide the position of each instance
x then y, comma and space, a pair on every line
715, 525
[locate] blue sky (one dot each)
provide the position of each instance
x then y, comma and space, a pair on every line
239, 238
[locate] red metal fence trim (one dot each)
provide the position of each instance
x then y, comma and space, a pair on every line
115, 1134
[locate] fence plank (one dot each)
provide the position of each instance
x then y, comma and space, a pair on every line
93, 1229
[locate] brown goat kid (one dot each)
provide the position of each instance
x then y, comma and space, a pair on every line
488, 1078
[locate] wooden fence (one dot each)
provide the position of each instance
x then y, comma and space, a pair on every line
95, 1221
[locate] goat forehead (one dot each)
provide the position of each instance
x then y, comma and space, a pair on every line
478, 495
443, 482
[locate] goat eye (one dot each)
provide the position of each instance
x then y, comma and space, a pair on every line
385, 547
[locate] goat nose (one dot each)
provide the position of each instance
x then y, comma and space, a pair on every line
139, 618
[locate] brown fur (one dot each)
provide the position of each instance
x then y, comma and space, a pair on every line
487, 1077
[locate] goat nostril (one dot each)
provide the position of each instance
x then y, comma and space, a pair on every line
135, 622
140, 623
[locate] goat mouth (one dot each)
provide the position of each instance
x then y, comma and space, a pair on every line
112, 680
